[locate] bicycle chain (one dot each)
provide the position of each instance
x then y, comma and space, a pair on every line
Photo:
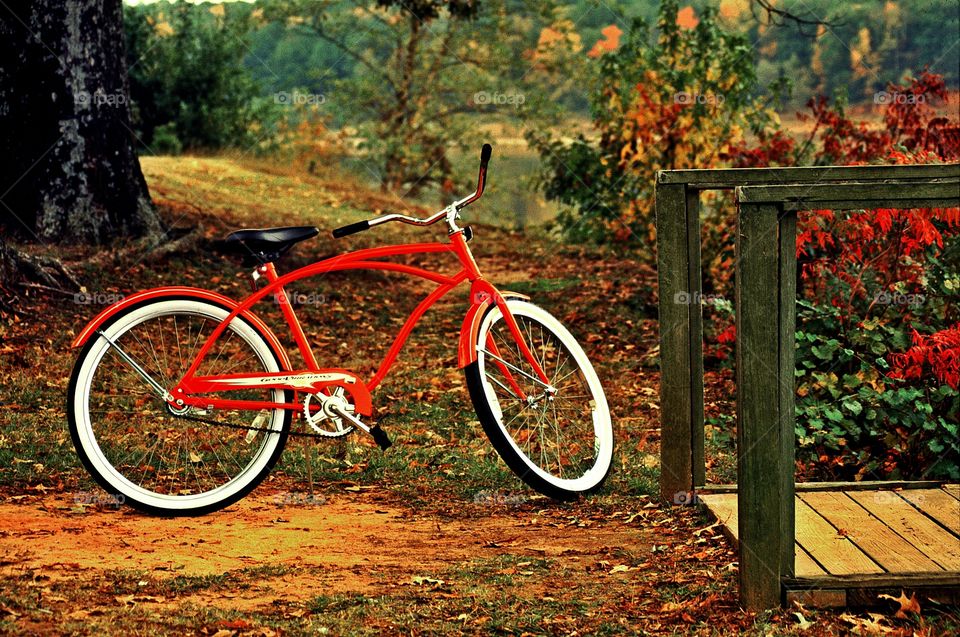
249, 428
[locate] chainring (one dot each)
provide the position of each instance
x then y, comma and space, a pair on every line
325, 421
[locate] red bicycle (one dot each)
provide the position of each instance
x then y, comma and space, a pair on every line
181, 399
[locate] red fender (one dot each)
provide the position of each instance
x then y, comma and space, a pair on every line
482, 296
175, 290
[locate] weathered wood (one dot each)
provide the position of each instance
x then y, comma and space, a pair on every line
723, 507
676, 471
698, 453
817, 598
952, 489
728, 178
805, 565
759, 451
867, 532
865, 590
924, 534
786, 387
885, 194
937, 504
837, 553
866, 485
871, 204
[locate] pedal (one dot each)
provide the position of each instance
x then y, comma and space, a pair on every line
380, 437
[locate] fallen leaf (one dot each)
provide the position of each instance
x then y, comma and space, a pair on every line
802, 621
910, 605
421, 581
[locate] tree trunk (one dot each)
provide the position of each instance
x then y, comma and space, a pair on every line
68, 167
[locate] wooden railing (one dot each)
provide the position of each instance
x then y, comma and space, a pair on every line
767, 201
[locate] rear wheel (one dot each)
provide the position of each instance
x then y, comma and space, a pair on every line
135, 447
557, 439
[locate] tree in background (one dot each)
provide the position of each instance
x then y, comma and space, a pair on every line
679, 101
420, 71
189, 87
68, 168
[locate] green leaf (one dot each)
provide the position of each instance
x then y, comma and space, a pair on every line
853, 407
833, 414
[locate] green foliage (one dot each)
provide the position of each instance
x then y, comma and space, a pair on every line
855, 422
188, 86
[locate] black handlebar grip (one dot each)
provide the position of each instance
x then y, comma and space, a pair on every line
343, 231
485, 154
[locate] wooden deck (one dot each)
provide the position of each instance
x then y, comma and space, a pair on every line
852, 544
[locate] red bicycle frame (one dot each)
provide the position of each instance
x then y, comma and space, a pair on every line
193, 390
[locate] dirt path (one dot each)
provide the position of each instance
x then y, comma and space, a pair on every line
344, 543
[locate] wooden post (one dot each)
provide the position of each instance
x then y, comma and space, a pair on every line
698, 455
673, 275
760, 502
787, 328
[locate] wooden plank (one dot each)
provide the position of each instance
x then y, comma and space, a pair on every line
806, 566
698, 460
885, 192
759, 454
861, 580
837, 553
676, 449
872, 536
817, 598
786, 386
864, 590
723, 507
871, 485
936, 503
928, 537
868, 485
872, 204
731, 177
952, 489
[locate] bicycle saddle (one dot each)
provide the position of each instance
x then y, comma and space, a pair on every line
263, 245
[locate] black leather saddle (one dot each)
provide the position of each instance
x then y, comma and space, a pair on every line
264, 245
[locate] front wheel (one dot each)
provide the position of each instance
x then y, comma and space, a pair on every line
557, 438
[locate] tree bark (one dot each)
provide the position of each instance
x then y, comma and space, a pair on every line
68, 166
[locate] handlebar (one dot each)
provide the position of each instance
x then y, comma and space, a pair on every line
450, 212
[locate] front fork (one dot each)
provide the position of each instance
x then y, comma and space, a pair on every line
483, 293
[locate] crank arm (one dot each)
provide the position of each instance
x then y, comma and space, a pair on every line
157, 387
379, 435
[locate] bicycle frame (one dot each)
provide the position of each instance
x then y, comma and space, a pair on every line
191, 388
